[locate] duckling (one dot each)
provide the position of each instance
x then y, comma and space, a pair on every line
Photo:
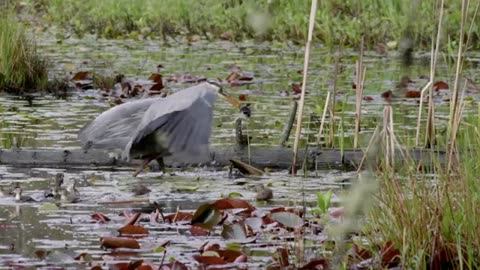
69, 197
72, 188
55, 190
19, 197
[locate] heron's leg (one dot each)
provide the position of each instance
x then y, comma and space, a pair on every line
144, 164
161, 164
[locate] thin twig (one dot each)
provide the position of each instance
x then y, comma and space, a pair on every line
313, 11
360, 78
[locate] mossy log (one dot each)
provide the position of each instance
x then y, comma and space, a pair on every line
261, 157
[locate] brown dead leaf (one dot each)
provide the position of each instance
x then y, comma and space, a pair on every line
209, 259
368, 98
390, 255
412, 94
132, 230
198, 231
231, 203
82, 75
440, 85
119, 242
128, 265
315, 264
179, 216
132, 219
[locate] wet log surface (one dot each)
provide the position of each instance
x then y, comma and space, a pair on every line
261, 157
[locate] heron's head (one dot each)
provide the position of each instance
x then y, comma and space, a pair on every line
218, 87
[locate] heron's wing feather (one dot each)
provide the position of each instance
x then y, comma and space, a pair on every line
183, 133
113, 128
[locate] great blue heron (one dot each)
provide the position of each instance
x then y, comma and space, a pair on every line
148, 129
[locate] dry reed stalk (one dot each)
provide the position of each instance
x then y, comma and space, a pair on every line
419, 117
324, 115
360, 79
313, 11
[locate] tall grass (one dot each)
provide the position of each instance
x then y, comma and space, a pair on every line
21, 68
339, 22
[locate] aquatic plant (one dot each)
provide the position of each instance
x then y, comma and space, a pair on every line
21, 67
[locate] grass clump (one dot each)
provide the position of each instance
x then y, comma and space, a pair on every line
22, 69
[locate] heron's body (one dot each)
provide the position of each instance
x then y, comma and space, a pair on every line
178, 125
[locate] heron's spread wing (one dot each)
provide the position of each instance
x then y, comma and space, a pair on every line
182, 133
114, 128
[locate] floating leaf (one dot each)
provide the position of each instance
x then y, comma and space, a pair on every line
234, 231
179, 216
159, 249
189, 188
207, 216
234, 195
287, 219
133, 230
230, 203
315, 264
127, 266
81, 75
198, 231
368, 98
175, 265
119, 242
245, 168
255, 223
132, 219
209, 259
440, 85
413, 94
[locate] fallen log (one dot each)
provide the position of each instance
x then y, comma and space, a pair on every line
261, 157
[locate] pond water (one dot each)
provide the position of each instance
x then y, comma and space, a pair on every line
49, 122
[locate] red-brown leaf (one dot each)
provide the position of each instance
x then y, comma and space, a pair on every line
315, 264
230, 203
367, 98
133, 230
361, 253
198, 231
242, 97
132, 218
439, 85
390, 255
100, 217
179, 216
176, 265
81, 75
209, 259
412, 94
119, 242
229, 255
128, 265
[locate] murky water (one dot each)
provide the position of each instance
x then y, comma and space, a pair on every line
48, 122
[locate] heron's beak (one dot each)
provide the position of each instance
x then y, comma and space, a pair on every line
235, 102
